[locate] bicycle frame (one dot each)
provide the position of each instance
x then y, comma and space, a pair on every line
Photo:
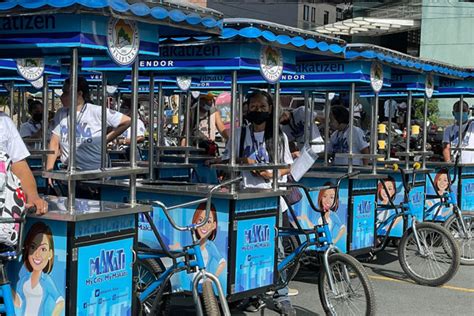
192, 255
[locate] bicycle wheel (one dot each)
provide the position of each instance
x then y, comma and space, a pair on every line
353, 293
211, 306
147, 273
437, 261
464, 239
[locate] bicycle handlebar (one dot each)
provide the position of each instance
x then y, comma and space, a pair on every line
207, 199
307, 190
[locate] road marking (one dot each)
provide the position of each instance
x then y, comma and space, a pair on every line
449, 287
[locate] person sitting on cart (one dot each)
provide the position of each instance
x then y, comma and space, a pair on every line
88, 131
210, 122
33, 127
126, 109
12, 144
339, 141
293, 124
451, 135
254, 144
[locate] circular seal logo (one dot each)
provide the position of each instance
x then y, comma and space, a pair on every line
123, 41
184, 83
429, 86
376, 76
37, 84
30, 68
271, 63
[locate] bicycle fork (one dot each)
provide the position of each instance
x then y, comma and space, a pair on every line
417, 239
203, 275
460, 218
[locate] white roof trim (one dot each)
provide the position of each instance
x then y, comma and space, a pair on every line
368, 26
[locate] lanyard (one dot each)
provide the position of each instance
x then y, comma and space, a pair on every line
257, 148
463, 135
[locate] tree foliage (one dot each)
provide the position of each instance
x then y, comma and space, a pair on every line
433, 110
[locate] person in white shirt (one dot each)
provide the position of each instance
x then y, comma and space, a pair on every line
12, 144
358, 109
339, 141
88, 129
33, 127
451, 135
125, 139
293, 123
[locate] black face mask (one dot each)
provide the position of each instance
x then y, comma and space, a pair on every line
37, 117
258, 118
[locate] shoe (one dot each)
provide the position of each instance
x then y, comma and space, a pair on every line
255, 306
285, 308
293, 292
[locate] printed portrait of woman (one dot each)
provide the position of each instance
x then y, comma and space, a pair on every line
441, 186
386, 192
36, 293
328, 203
206, 234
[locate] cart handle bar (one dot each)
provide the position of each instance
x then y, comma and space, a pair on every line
307, 190
207, 199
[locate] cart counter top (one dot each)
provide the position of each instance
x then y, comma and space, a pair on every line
184, 188
87, 209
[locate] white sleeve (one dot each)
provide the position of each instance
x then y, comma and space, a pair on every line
113, 118
226, 153
56, 126
316, 139
287, 158
140, 128
16, 148
360, 139
446, 134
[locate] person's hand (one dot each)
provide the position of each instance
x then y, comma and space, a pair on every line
40, 205
266, 174
295, 154
247, 161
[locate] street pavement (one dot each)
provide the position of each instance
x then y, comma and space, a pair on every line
395, 293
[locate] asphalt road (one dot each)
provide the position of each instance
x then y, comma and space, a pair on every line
395, 293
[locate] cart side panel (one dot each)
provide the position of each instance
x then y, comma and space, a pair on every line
46, 244
337, 218
437, 177
467, 188
105, 278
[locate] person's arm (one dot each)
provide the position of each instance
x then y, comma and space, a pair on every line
54, 147
220, 125
365, 151
447, 152
28, 184
122, 127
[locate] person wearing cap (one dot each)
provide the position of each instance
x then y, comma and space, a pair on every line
210, 121
451, 134
33, 127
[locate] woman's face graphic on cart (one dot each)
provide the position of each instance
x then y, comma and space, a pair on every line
39, 253
206, 230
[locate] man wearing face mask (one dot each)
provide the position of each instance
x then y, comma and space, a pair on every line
210, 121
451, 134
33, 127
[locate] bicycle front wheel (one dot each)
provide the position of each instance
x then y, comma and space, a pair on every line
465, 239
147, 273
211, 306
438, 259
352, 293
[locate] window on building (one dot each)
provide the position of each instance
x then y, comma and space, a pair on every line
326, 17
313, 15
306, 13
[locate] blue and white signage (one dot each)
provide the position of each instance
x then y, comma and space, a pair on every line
30, 68
271, 63
376, 76
123, 41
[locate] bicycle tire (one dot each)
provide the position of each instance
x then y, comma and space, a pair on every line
466, 243
357, 271
151, 268
446, 255
211, 306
